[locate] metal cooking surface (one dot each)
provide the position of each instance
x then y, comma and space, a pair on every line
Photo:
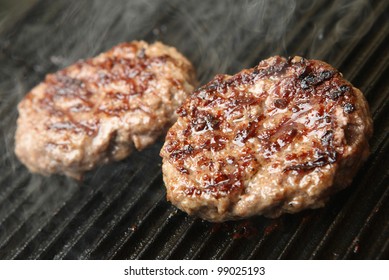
119, 211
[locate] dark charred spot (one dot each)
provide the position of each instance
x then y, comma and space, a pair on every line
334, 95
322, 159
344, 88
332, 156
307, 81
307, 165
305, 73
218, 84
313, 79
188, 149
277, 68
280, 103
325, 75
348, 108
212, 122
327, 138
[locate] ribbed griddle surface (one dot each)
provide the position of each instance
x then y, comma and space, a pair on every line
119, 211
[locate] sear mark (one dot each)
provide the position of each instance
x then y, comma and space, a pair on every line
313, 79
348, 108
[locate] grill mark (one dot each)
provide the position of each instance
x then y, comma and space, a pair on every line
327, 158
90, 127
62, 86
309, 79
306, 88
327, 154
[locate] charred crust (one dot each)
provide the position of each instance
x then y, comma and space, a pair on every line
63, 85
182, 153
277, 68
313, 79
344, 88
348, 108
96, 110
327, 138
224, 114
322, 159
334, 95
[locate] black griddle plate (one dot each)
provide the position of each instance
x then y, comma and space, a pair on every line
120, 210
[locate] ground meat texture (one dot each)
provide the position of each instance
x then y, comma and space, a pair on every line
277, 138
97, 110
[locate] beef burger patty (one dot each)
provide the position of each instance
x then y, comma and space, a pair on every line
97, 110
280, 137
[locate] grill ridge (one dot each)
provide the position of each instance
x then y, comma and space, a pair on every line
114, 204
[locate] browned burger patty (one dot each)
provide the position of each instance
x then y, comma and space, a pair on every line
280, 137
98, 109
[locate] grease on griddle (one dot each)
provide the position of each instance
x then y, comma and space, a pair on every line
237, 230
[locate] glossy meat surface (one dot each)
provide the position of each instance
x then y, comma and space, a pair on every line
280, 137
97, 110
